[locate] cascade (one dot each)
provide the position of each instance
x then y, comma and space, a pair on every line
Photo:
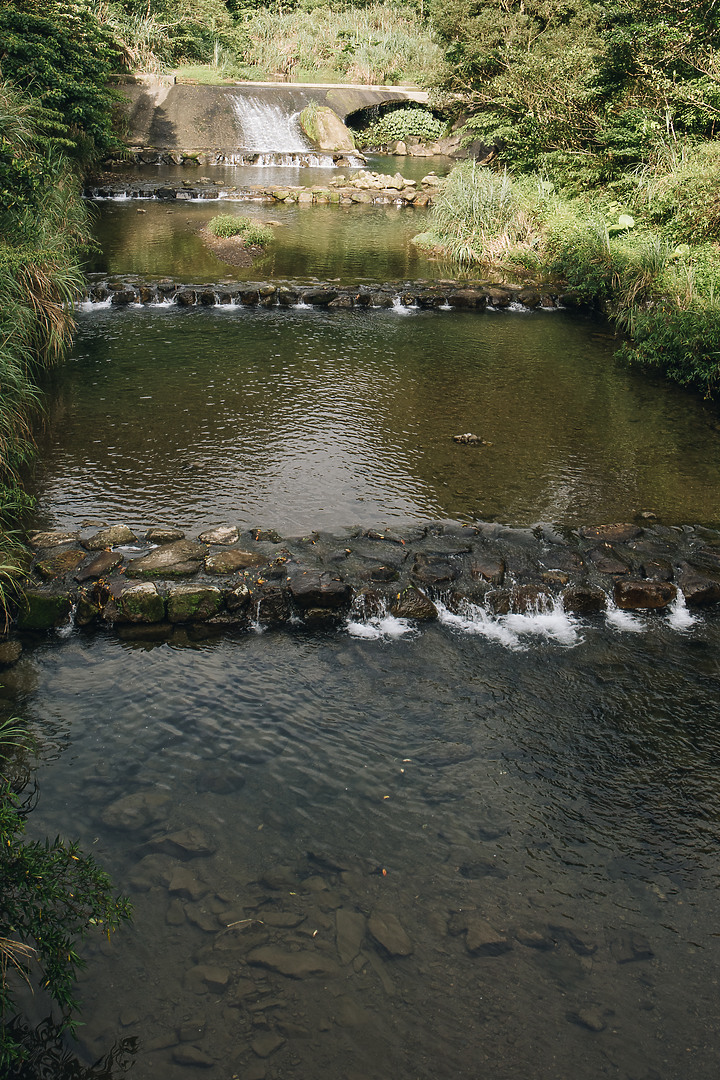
267, 126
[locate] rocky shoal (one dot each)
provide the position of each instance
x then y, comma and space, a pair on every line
360, 188
445, 294
151, 584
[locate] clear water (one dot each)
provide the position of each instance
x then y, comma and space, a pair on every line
567, 796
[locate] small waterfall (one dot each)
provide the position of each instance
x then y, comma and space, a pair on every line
266, 126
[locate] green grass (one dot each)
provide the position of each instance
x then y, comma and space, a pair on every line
251, 232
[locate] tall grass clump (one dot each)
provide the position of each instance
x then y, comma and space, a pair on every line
42, 225
377, 43
251, 232
481, 216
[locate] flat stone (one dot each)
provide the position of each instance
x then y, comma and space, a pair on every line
193, 1056
387, 930
412, 604
223, 534
631, 947
285, 919
482, 939
607, 562
311, 589
189, 843
229, 562
643, 595
266, 1043
102, 564
184, 882
60, 563
612, 534
110, 537
41, 540
211, 976
10, 652
175, 914
295, 965
182, 558
136, 811
588, 1017
160, 534
138, 604
193, 603
349, 933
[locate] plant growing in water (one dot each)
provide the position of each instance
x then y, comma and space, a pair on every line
251, 232
51, 896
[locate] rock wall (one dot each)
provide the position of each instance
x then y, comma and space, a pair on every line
224, 580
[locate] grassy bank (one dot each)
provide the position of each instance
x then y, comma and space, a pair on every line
650, 261
308, 42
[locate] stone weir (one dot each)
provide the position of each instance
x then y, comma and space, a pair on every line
437, 295
160, 583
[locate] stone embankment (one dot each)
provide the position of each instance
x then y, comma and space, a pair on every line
151, 584
358, 189
456, 295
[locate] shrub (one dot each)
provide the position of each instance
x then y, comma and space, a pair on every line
401, 125
252, 232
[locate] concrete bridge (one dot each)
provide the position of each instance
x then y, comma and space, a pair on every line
168, 115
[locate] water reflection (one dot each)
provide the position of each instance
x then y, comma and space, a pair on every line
303, 419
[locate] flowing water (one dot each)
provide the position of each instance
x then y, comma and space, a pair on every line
265, 126
535, 800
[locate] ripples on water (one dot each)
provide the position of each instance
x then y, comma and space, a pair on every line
305, 419
566, 796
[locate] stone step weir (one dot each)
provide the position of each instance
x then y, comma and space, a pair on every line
152, 582
442, 295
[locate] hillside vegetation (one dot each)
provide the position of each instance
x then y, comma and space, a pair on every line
605, 118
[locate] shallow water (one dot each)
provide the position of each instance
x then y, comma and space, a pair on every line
300, 419
567, 796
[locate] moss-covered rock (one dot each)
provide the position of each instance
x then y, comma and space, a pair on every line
43, 611
140, 604
193, 603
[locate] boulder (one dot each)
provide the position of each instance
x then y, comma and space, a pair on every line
412, 604
229, 562
584, 600
183, 558
138, 604
312, 589
42, 611
111, 537
698, 589
39, 541
60, 563
161, 534
643, 595
326, 129
193, 603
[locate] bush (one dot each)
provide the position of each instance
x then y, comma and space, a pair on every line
683, 344
251, 232
401, 125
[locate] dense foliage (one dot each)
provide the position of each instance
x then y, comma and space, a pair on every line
62, 55
403, 125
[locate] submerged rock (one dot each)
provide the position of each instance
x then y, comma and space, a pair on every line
387, 931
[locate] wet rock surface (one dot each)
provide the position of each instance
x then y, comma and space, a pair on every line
436, 296
238, 578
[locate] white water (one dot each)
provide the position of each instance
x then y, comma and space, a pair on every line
267, 127
553, 624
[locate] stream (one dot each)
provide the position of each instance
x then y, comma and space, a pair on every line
379, 850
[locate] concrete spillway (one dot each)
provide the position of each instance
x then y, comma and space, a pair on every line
177, 116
